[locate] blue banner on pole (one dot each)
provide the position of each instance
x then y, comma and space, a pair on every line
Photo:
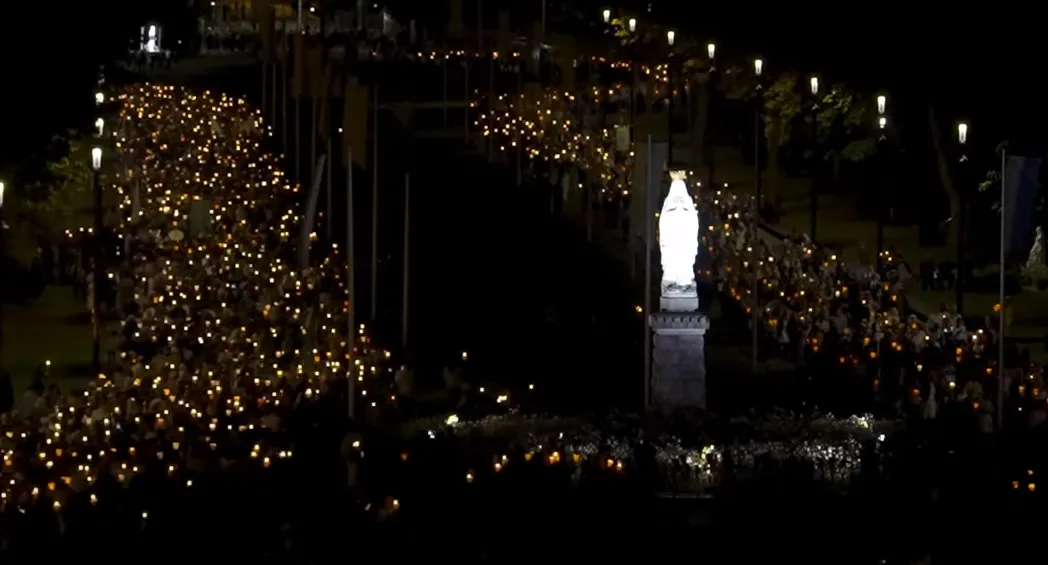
1020, 191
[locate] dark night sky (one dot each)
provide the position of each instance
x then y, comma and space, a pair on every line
49, 59
983, 68
979, 67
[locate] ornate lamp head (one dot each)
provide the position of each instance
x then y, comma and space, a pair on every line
678, 175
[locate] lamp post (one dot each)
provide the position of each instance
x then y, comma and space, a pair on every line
962, 170
1, 276
1000, 316
758, 68
96, 352
813, 193
709, 154
633, 76
670, 36
882, 142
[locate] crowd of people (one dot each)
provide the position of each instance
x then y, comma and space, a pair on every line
850, 323
225, 339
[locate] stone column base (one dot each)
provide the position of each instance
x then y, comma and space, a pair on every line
678, 372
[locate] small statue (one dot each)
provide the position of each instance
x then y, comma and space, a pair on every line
678, 238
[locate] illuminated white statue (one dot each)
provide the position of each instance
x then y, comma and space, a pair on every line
678, 238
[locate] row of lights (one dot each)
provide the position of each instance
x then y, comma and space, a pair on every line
758, 67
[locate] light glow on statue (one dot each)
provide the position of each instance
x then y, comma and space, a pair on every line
678, 239
150, 39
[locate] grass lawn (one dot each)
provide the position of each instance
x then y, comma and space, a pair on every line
57, 328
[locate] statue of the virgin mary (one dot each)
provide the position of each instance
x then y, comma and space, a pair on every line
678, 238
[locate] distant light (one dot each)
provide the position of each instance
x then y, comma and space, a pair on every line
711, 49
758, 66
99, 98
814, 85
962, 133
633, 25
1, 197
669, 37
607, 16
882, 122
96, 158
882, 103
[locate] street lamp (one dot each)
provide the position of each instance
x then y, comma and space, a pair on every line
96, 318
709, 154
633, 75
758, 68
882, 157
962, 173
100, 126
813, 193
607, 16
1, 276
670, 35
99, 98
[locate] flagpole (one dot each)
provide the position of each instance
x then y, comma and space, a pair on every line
407, 258
350, 282
488, 141
273, 95
520, 141
647, 282
265, 76
465, 120
444, 66
298, 124
543, 2
491, 102
329, 215
283, 99
589, 211
757, 222
1000, 322
313, 138
374, 215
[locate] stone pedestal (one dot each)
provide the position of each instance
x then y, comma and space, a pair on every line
678, 372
